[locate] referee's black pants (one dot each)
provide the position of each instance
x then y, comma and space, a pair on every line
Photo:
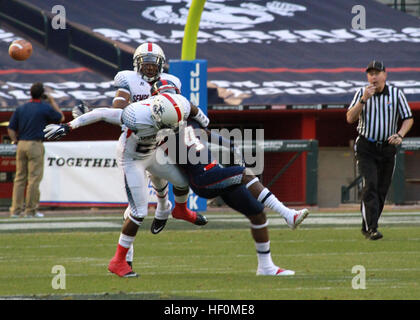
375, 162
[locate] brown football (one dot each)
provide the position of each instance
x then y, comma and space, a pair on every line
20, 49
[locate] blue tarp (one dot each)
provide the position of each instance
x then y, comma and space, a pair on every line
270, 52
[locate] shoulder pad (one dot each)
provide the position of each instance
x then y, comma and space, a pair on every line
121, 80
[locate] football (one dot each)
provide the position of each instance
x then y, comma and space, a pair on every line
20, 50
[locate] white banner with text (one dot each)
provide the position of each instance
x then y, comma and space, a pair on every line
82, 173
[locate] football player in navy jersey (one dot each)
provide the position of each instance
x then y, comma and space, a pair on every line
236, 185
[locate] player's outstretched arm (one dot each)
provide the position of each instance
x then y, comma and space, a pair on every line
199, 116
56, 132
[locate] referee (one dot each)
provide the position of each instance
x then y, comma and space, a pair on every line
377, 107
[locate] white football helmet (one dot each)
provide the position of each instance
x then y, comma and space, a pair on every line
166, 111
149, 53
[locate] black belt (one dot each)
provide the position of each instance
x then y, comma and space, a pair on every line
375, 142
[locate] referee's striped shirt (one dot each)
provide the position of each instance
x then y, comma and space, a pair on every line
380, 114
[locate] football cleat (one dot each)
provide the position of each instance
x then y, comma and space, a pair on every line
200, 220
188, 215
131, 274
294, 221
275, 272
374, 235
121, 268
157, 225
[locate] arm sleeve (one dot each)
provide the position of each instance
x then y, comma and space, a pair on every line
109, 115
357, 96
403, 107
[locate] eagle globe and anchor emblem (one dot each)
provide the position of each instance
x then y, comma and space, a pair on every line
221, 15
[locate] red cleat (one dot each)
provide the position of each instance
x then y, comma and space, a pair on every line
182, 212
121, 268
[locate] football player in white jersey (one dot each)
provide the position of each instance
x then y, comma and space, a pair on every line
135, 85
137, 153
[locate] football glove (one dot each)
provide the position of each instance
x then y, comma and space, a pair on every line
56, 131
78, 110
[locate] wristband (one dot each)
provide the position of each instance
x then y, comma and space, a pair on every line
201, 118
400, 136
362, 101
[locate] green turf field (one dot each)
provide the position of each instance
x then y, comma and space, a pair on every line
217, 261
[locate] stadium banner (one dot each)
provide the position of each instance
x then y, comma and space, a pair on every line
86, 174
82, 173
259, 52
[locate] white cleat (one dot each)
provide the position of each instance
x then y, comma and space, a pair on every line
294, 221
275, 272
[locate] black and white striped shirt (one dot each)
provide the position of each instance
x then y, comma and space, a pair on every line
379, 117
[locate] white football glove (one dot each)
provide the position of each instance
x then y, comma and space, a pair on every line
56, 131
78, 110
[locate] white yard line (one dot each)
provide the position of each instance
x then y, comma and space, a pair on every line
102, 222
58, 225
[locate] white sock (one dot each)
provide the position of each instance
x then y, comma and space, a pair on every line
125, 241
264, 255
163, 212
270, 201
130, 254
162, 197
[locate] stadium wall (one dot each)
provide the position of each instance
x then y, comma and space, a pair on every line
334, 135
